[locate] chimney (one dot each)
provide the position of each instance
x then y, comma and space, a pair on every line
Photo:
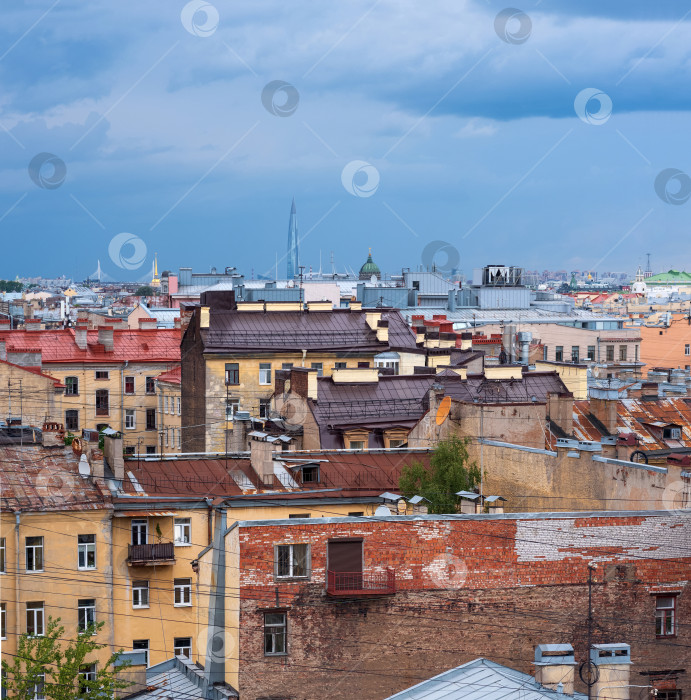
603, 405
452, 300
261, 460
355, 306
554, 667
204, 316
383, 332
613, 661
3, 350
33, 324
113, 452
217, 641
466, 341
372, 318
105, 337
303, 381
80, 335
178, 322
95, 457
25, 357
147, 324
560, 411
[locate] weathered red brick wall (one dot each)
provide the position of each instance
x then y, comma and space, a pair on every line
466, 588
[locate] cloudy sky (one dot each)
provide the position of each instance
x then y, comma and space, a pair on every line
555, 135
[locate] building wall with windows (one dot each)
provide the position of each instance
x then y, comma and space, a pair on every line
667, 347
30, 394
169, 412
432, 592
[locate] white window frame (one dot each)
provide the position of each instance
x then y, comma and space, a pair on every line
144, 649
38, 688
137, 588
3, 555
84, 612
37, 611
274, 628
130, 424
3, 620
182, 592
234, 406
179, 647
34, 548
166, 436
687, 349
182, 526
179, 438
290, 546
165, 403
265, 374
178, 403
83, 549
664, 613
88, 673
140, 522
319, 366
351, 444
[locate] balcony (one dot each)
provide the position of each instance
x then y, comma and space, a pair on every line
150, 554
343, 584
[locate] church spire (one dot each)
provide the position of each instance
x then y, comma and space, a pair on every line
293, 256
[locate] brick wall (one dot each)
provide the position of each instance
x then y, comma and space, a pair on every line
481, 586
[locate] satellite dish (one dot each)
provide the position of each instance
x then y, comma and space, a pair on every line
84, 467
443, 410
382, 510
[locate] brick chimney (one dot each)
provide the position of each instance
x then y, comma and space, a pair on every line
554, 667
603, 405
81, 335
303, 381
383, 331
3, 350
560, 411
24, 357
113, 452
33, 324
105, 337
146, 324
261, 459
613, 661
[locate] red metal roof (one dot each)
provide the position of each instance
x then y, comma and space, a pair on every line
172, 376
35, 370
133, 345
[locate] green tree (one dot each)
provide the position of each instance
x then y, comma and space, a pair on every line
450, 471
52, 665
145, 291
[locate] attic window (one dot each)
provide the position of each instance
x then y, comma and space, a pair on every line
671, 433
310, 475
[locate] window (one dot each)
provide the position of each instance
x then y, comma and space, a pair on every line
292, 559
671, 433
86, 551
182, 588
264, 408
165, 404
232, 406
341, 365
142, 645
87, 674
397, 442
130, 422
72, 419
609, 350
668, 695
275, 625
182, 528
665, 609
310, 475
232, 373
179, 438
101, 402
356, 514
591, 352
687, 349
559, 353
286, 365
151, 419
319, 366
178, 405
299, 515
182, 646
575, 353
151, 449
150, 386
38, 688
265, 373
129, 450
3, 620
545, 349
129, 385
140, 594
86, 614
34, 553
2, 555
72, 386
356, 445
34, 619
102, 374
623, 349
140, 532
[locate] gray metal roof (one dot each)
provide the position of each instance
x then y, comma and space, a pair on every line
481, 680
180, 678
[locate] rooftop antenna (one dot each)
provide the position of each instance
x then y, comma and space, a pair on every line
647, 267
333, 267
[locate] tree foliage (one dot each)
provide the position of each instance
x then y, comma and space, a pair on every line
144, 291
450, 471
51, 666
10, 286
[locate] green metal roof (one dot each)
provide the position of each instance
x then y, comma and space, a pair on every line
670, 277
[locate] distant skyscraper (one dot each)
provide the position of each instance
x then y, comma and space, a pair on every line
293, 257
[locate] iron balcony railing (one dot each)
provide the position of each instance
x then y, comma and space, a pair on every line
360, 583
163, 552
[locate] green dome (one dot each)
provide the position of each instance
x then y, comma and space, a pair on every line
369, 268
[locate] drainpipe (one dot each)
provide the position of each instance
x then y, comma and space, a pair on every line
210, 511
17, 517
122, 396
214, 663
304, 354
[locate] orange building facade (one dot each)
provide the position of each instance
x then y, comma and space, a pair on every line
667, 347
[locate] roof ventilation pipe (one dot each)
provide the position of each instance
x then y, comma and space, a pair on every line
524, 338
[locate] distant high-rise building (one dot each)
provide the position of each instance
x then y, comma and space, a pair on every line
293, 257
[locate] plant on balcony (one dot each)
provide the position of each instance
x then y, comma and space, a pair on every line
450, 471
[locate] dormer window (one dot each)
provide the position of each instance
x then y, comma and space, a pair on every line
671, 433
310, 475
